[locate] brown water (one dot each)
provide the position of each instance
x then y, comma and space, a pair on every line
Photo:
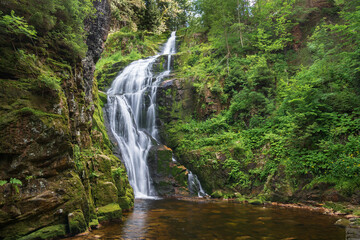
177, 219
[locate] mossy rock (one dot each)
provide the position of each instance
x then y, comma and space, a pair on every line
47, 232
338, 207
105, 193
180, 174
166, 174
94, 223
102, 98
159, 160
164, 188
77, 223
103, 166
217, 194
127, 202
109, 212
255, 201
3, 215
343, 222
125, 191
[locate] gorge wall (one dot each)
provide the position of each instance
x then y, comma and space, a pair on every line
58, 175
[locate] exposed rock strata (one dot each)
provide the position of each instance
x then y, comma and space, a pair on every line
55, 154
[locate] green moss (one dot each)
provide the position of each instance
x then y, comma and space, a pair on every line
164, 157
357, 222
217, 194
76, 196
179, 173
338, 207
104, 193
77, 223
240, 198
94, 223
126, 203
125, 192
357, 212
102, 98
49, 232
255, 201
98, 120
109, 212
17, 230
122, 48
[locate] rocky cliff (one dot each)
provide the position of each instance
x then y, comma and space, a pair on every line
58, 175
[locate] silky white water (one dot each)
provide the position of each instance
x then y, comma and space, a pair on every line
195, 185
131, 111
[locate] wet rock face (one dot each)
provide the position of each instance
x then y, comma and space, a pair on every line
97, 29
49, 190
169, 177
161, 63
176, 99
79, 91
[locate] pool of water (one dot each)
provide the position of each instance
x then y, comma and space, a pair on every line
179, 219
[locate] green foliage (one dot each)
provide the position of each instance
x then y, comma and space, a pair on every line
14, 25
159, 15
78, 158
3, 182
94, 175
15, 183
121, 48
290, 112
43, 28
49, 81
337, 207
236, 175
118, 172
125, 13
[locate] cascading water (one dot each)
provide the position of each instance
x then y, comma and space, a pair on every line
195, 185
131, 113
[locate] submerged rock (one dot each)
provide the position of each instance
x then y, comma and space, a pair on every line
353, 233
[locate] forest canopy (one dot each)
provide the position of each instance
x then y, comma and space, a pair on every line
285, 76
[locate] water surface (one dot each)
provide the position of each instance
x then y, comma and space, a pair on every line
178, 219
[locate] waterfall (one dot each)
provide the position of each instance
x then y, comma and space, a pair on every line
131, 113
195, 185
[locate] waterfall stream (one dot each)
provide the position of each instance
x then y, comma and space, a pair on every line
131, 111
195, 185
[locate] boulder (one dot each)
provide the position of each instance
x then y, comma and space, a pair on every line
109, 212
77, 223
342, 222
167, 175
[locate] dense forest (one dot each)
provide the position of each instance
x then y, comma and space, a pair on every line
263, 104
277, 96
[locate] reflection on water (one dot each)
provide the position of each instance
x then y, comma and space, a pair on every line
176, 219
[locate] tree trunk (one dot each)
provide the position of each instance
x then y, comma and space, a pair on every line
240, 33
